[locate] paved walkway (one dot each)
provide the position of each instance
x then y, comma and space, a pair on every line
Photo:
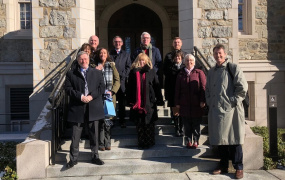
275, 174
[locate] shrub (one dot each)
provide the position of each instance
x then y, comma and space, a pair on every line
8, 158
268, 162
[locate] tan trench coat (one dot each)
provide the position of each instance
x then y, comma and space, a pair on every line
226, 113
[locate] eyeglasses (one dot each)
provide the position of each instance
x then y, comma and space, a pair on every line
118, 41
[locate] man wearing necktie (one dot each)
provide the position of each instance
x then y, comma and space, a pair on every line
123, 63
85, 87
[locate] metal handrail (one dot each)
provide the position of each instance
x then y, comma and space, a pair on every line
203, 60
59, 101
61, 80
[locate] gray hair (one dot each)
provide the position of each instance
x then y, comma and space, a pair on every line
117, 37
190, 56
81, 53
145, 33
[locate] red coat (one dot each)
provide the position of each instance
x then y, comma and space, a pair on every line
189, 92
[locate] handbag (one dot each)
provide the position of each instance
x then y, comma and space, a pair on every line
109, 109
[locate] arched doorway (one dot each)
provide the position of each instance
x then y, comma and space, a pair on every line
130, 21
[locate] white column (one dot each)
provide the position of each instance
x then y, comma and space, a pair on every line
84, 13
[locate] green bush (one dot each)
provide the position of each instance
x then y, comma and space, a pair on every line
268, 162
8, 157
9, 174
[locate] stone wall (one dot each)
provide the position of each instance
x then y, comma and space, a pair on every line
57, 28
270, 27
13, 50
214, 26
276, 28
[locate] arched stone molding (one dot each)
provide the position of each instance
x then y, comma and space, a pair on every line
112, 8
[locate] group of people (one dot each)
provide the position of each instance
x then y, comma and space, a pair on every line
132, 80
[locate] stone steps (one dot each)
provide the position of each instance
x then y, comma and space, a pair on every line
134, 166
131, 141
135, 153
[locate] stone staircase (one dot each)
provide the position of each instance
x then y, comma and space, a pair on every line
169, 155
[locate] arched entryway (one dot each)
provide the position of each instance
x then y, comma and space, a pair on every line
130, 21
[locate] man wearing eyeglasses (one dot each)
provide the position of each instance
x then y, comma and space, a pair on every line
147, 48
123, 64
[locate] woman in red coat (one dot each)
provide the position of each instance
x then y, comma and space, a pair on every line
190, 99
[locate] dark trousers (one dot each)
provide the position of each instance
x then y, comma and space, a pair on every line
146, 134
192, 128
231, 152
93, 137
121, 106
178, 124
104, 135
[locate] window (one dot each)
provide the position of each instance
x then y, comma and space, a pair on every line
18, 19
246, 17
240, 14
19, 103
25, 15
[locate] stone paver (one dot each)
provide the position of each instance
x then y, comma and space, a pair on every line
248, 175
280, 173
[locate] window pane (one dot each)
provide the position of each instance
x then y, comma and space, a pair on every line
28, 25
28, 15
240, 18
22, 16
22, 7
240, 1
28, 7
128, 44
23, 25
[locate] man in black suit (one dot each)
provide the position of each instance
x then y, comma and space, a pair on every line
123, 64
85, 87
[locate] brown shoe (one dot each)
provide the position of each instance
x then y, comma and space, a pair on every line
239, 174
108, 148
102, 149
220, 171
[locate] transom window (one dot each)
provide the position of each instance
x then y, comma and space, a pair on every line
25, 15
240, 14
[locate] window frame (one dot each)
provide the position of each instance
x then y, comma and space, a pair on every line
248, 19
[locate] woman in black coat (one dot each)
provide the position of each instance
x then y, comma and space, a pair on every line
143, 95
172, 71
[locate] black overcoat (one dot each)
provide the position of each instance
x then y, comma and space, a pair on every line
123, 64
74, 87
153, 94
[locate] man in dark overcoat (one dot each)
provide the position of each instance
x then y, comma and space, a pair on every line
123, 64
85, 87
147, 48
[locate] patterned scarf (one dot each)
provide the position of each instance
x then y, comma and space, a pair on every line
149, 48
108, 75
138, 105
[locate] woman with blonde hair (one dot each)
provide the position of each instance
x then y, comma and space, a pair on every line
143, 95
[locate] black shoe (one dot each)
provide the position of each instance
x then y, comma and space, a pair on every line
70, 164
97, 161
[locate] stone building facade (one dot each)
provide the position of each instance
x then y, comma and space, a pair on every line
61, 26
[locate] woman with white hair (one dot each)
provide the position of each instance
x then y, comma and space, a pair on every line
190, 99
